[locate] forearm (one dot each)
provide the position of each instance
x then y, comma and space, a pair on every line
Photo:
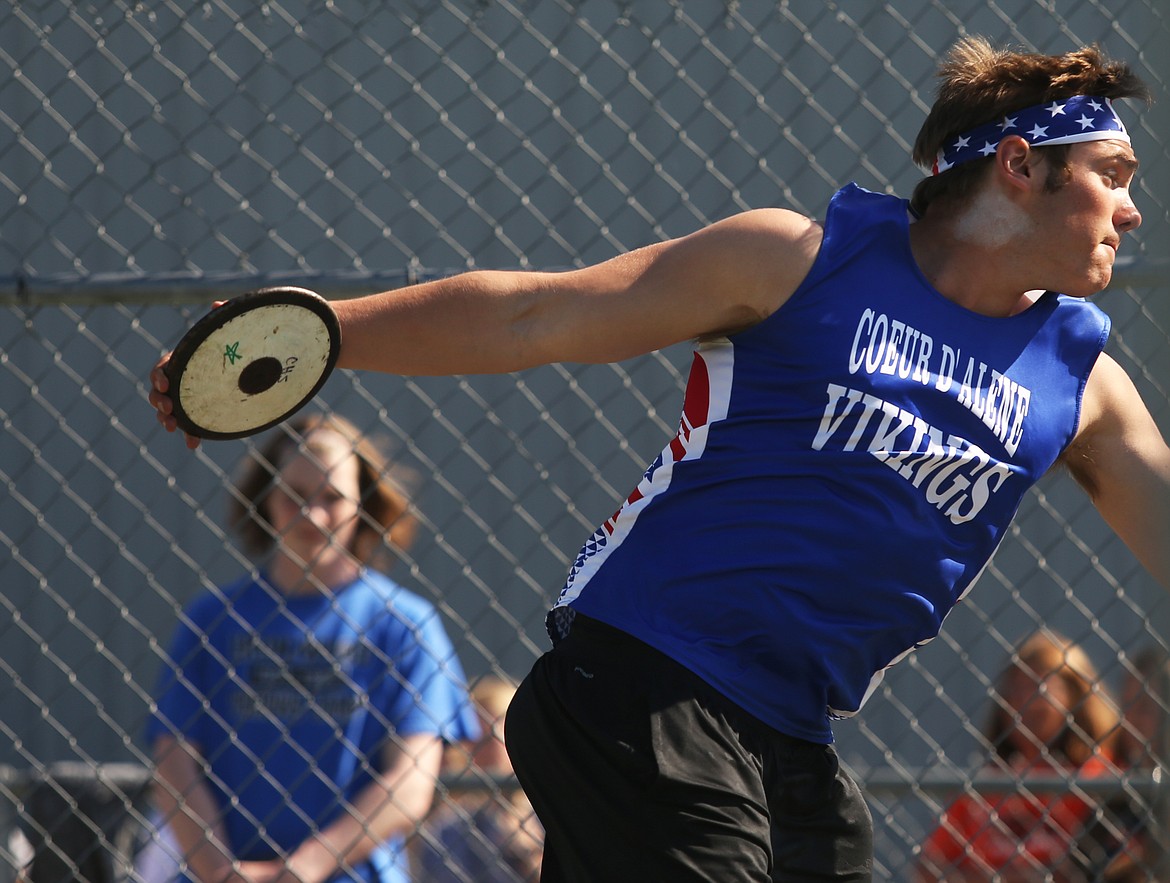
376, 815
525, 840
390, 806
473, 323
187, 806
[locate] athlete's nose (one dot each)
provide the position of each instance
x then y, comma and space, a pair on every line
1127, 218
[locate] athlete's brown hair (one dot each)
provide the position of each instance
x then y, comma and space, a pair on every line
979, 83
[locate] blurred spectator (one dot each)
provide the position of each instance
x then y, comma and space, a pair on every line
1130, 841
489, 834
300, 725
1145, 709
1050, 720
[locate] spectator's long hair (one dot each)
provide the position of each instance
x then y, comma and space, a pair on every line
386, 524
1093, 716
980, 84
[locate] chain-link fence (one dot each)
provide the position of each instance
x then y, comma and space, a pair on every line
155, 156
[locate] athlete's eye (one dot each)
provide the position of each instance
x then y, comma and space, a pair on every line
1118, 174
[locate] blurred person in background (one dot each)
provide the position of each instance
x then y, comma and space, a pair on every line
488, 833
1145, 711
1050, 720
302, 715
1130, 842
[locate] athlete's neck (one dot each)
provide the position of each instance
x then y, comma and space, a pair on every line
975, 257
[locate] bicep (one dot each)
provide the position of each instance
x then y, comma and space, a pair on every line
725, 277
1121, 459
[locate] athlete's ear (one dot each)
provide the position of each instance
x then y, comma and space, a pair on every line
1016, 161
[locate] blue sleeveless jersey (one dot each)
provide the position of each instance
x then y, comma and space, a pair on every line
841, 474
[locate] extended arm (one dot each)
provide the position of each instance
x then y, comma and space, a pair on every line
724, 277
1120, 457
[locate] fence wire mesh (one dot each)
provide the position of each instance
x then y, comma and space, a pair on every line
156, 156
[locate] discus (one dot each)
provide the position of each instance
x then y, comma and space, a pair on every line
252, 362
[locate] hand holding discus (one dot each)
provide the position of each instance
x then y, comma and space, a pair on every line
249, 364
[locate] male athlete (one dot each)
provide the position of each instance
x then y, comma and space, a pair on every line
871, 397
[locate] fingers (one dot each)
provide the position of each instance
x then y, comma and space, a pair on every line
160, 385
168, 422
158, 374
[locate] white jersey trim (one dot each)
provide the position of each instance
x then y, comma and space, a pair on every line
708, 398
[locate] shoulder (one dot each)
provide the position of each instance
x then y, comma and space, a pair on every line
773, 228
208, 606
759, 256
852, 213
1090, 320
386, 594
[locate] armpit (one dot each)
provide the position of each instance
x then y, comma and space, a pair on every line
1080, 459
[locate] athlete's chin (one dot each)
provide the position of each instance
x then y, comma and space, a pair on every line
1095, 279
1102, 279
1102, 269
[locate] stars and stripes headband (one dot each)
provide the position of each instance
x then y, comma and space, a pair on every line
1065, 121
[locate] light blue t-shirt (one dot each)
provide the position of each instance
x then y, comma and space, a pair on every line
291, 700
842, 473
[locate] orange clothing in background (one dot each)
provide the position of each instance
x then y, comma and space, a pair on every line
1022, 827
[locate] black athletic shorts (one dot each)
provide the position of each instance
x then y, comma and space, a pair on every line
640, 771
